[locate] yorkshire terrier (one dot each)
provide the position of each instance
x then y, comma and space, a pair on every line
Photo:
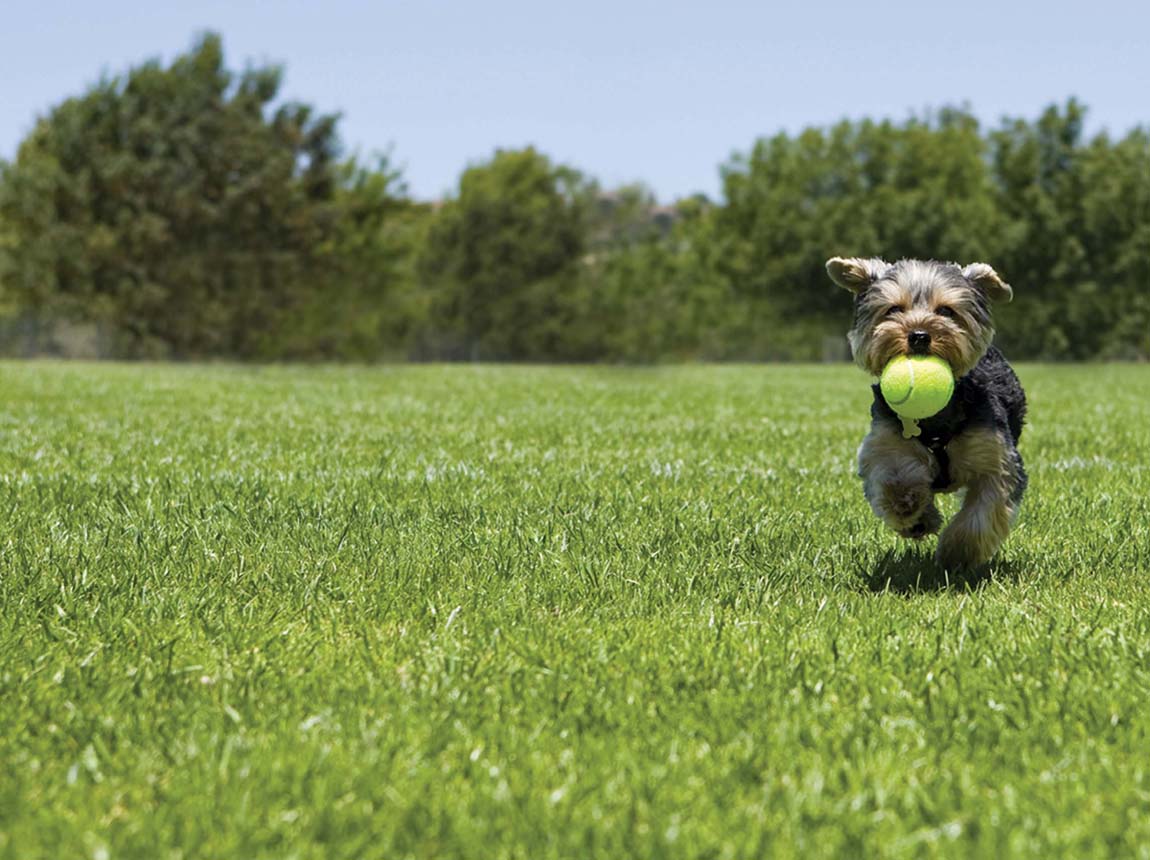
914, 307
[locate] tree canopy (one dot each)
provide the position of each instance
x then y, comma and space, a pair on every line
191, 211
504, 251
179, 204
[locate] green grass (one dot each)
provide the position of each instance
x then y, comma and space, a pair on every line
525, 612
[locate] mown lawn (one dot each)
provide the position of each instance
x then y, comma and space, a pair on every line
526, 612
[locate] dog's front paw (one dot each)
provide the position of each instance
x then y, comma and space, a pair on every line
928, 523
902, 505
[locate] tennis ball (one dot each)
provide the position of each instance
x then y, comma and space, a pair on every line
917, 386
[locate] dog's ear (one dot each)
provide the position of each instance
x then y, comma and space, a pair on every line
855, 273
988, 280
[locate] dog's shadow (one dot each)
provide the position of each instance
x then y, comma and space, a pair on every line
914, 571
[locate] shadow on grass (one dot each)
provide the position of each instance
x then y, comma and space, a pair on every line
913, 570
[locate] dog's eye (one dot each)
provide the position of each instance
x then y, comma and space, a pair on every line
944, 311
892, 310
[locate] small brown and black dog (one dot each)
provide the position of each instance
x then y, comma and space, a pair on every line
916, 307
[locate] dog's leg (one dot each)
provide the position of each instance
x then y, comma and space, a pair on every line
989, 466
897, 475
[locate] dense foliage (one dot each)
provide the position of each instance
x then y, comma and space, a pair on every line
177, 204
189, 212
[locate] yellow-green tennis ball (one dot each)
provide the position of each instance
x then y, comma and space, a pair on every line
917, 386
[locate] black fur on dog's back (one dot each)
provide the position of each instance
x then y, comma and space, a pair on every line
994, 383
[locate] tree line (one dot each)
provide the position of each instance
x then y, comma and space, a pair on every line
190, 212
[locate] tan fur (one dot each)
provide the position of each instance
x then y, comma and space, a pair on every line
887, 338
978, 461
896, 474
996, 289
978, 529
855, 273
979, 453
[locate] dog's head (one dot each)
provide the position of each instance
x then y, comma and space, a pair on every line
916, 307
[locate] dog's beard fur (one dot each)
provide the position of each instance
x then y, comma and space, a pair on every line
938, 298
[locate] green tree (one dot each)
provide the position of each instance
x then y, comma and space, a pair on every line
502, 259
922, 188
656, 292
182, 205
369, 307
1037, 168
1116, 235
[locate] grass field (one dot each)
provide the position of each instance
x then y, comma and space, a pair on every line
525, 612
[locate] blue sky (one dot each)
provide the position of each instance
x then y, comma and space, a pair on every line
661, 92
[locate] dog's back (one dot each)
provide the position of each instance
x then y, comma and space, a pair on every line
994, 375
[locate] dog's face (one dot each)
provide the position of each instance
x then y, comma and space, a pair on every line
914, 307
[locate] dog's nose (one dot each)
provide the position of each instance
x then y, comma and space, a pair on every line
919, 342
